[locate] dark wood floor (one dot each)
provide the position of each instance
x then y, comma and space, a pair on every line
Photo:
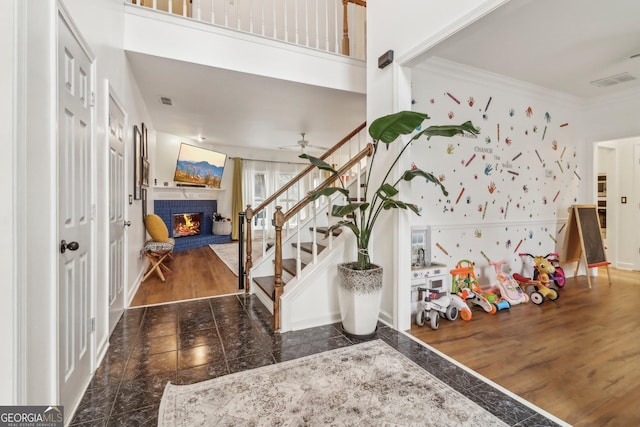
577, 357
196, 273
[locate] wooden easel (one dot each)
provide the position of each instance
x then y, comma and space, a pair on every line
583, 241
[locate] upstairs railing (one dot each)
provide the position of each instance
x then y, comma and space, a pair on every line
331, 25
348, 157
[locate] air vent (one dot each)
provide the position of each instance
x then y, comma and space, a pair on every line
165, 100
613, 80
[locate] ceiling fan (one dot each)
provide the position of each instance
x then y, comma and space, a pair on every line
303, 145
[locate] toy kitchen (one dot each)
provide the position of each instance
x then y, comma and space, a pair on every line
424, 273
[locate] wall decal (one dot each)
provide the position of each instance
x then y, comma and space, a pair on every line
439, 246
529, 112
470, 160
488, 102
544, 132
471, 101
453, 97
564, 124
512, 112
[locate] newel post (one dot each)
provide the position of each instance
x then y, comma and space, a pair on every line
278, 220
249, 249
345, 27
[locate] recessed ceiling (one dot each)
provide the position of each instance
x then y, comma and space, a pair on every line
562, 45
232, 108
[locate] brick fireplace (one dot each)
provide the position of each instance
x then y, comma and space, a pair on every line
166, 209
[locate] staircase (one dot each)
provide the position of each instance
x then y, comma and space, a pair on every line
294, 275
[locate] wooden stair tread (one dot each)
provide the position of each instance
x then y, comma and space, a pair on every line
308, 247
323, 230
267, 284
289, 265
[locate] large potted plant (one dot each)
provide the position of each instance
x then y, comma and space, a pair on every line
360, 289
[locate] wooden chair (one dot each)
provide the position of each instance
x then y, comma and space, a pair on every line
159, 249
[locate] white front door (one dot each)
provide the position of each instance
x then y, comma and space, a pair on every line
75, 99
116, 131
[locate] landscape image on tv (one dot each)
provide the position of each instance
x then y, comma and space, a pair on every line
198, 165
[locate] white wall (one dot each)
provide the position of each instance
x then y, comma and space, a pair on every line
165, 156
8, 288
408, 28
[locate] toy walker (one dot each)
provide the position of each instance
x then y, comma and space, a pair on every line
466, 286
507, 287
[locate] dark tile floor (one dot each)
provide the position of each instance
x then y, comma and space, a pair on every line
193, 341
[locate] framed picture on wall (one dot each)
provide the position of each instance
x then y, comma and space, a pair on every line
143, 193
145, 146
137, 164
145, 172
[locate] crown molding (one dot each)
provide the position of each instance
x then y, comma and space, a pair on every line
449, 69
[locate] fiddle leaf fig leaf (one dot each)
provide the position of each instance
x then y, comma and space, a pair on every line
319, 163
344, 210
315, 195
387, 190
388, 128
410, 174
448, 130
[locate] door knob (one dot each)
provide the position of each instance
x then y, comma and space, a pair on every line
72, 246
127, 223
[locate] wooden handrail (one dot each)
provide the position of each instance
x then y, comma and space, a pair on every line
367, 151
306, 170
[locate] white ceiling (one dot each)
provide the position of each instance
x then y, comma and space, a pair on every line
557, 44
231, 108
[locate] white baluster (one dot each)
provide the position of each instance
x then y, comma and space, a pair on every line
226, 14
326, 25
314, 237
296, 20
155, 5
262, 16
213, 13
251, 16
317, 25
299, 232
286, 23
184, 8
237, 14
335, 25
198, 11
275, 21
306, 23
170, 6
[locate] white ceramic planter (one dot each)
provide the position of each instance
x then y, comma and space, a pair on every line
221, 228
359, 296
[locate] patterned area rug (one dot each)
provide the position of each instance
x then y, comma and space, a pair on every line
228, 253
365, 384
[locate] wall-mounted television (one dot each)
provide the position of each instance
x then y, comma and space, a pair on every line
197, 165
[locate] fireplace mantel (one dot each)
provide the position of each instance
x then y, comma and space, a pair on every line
184, 193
